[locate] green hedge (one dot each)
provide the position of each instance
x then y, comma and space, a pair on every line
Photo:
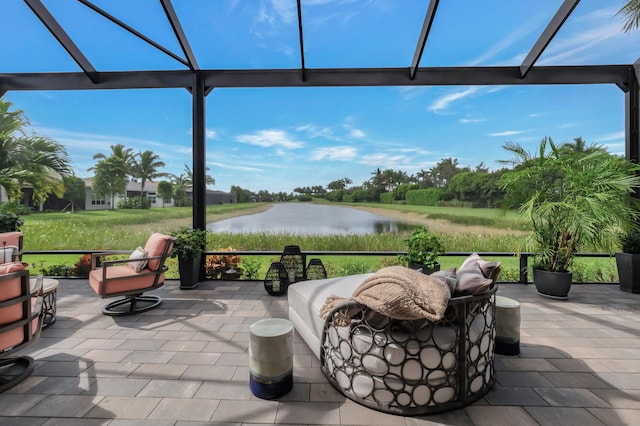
425, 197
387, 197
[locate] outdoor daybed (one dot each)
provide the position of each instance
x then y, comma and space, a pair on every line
400, 366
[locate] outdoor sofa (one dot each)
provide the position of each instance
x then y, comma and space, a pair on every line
399, 366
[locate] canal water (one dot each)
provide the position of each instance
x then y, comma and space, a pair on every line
310, 219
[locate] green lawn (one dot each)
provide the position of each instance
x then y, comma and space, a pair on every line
127, 229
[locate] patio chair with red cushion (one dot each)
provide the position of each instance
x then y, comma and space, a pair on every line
10, 246
143, 271
20, 322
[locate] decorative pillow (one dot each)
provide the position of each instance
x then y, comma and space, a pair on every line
6, 254
489, 269
138, 253
476, 275
447, 277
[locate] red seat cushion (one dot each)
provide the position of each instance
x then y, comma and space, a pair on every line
121, 279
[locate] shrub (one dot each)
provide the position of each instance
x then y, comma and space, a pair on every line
134, 203
223, 267
424, 197
10, 222
335, 195
82, 266
387, 197
630, 242
250, 268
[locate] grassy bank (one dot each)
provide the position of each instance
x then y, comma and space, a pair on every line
490, 230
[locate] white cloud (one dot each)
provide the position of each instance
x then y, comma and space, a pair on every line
92, 141
507, 133
285, 10
471, 120
336, 153
211, 134
315, 131
357, 133
591, 37
610, 137
236, 167
444, 101
269, 138
383, 160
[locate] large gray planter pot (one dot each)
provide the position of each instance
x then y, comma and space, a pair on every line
629, 271
189, 269
555, 285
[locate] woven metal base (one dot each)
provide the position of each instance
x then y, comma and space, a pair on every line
412, 367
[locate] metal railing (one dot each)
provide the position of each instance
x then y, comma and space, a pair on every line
524, 258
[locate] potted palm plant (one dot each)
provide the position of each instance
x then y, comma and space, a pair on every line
189, 247
574, 201
628, 261
423, 250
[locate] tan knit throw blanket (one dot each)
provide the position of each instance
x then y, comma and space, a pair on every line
399, 293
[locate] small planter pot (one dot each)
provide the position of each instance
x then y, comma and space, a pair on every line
424, 268
629, 271
189, 272
555, 285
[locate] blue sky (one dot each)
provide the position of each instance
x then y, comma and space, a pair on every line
277, 139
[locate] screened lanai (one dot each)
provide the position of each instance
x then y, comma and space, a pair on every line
185, 44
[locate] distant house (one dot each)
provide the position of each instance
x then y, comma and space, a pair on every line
150, 192
133, 190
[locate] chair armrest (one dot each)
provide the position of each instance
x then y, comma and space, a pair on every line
95, 257
114, 262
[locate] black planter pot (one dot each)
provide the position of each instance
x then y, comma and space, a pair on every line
555, 285
424, 268
629, 271
189, 269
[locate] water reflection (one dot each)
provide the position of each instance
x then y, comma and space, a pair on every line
310, 219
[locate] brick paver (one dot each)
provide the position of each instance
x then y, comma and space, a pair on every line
186, 363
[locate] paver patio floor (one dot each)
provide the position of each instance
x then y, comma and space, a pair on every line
186, 363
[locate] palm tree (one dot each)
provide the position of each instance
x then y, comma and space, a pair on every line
208, 180
579, 147
377, 179
37, 161
631, 12
119, 151
144, 166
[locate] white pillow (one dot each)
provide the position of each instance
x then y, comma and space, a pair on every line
6, 254
138, 253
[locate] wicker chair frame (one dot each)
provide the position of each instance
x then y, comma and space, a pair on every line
412, 367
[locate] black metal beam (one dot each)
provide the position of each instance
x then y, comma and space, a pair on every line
133, 31
300, 35
179, 32
422, 40
199, 152
63, 38
430, 76
547, 35
632, 119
